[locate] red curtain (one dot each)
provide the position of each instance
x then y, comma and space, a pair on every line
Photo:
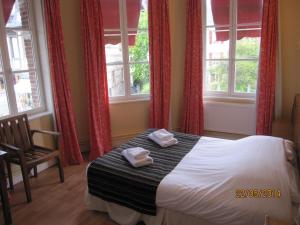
65, 120
193, 94
248, 12
7, 7
95, 73
160, 56
267, 68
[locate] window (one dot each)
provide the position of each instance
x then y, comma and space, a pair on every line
20, 88
127, 48
231, 43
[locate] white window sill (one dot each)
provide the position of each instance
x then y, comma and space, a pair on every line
32, 115
124, 101
38, 115
235, 100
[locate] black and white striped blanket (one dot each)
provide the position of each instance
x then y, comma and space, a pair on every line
113, 179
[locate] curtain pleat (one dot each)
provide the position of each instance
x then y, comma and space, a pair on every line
65, 120
192, 121
96, 78
159, 58
267, 68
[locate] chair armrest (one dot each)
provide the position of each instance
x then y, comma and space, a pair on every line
54, 133
10, 148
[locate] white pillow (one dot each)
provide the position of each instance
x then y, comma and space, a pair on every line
290, 154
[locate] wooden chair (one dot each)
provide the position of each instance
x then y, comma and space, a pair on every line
16, 139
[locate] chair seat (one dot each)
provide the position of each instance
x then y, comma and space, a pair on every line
35, 156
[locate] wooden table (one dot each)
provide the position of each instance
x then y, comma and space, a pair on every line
3, 191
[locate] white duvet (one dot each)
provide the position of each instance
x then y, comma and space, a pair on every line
204, 183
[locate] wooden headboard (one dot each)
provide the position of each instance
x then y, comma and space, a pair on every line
296, 121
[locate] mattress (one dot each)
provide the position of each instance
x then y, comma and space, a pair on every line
125, 216
202, 187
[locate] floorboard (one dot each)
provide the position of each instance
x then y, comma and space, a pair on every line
54, 203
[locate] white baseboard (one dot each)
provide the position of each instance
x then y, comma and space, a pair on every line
123, 138
84, 146
117, 140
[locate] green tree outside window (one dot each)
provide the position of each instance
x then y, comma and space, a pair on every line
139, 53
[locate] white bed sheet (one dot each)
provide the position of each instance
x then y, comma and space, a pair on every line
126, 216
201, 189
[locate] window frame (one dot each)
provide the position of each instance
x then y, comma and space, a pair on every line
128, 96
230, 94
8, 72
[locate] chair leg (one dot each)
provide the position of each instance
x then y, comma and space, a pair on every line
10, 178
35, 172
26, 181
60, 168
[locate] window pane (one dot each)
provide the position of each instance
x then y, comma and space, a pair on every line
249, 12
217, 76
217, 12
139, 78
138, 40
139, 51
21, 55
248, 48
26, 90
246, 76
113, 48
110, 14
138, 46
112, 34
20, 48
115, 79
3, 98
249, 15
137, 14
1, 65
216, 49
16, 15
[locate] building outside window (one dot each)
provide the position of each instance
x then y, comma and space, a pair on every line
231, 43
20, 81
127, 48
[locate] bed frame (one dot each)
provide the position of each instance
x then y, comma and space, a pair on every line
100, 205
296, 127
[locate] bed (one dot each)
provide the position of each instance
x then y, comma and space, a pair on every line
216, 182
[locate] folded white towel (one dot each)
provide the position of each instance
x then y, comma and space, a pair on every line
137, 163
168, 143
138, 153
163, 135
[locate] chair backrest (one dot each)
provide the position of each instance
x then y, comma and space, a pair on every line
16, 131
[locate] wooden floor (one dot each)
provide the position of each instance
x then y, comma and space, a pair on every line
54, 203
